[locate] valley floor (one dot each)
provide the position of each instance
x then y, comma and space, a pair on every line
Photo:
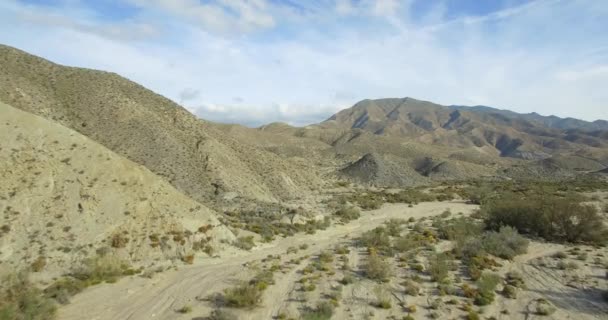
162, 296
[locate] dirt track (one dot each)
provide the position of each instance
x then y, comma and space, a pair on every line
160, 297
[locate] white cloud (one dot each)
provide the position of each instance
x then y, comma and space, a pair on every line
385, 7
302, 66
222, 16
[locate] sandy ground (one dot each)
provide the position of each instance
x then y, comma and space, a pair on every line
160, 297
575, 292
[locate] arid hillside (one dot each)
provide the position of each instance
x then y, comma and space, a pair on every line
200, 161
65, 198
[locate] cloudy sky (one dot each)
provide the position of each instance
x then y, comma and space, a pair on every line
299, 61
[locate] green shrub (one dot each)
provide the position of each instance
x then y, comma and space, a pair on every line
323, 311
515, 279
245, 295
506, 243
219, 314
348, 213
562, 219
377, 238
411, 288
394, 226
509, 291
486, 285
377, 268
21, 300
347, 279
544, 307
245, 243
383, 297
459, 229
438, 267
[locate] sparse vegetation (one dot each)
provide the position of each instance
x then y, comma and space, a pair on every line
554, 218
21, 300
245, 243
348, 213
438, 267
377, 268
323, 311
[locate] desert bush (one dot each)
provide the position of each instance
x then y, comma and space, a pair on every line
458, 229
38, 264
347, 279
506, 243
409, 242
245, 295
348, 213
411, 287
394, 226
544, 307
377, 238
377, 268
220, 314
383, 297
561, 219
485, 288
185, 309
21, 300
367, 201
515, 279
245, 243
119, 241
323, 311
411, 196
438, 267
509, 291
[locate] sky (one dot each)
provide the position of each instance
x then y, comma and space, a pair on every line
299, 61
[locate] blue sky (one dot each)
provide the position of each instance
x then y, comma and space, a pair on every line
259, 61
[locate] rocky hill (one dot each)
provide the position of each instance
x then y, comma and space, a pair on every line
507, 133
191, 154
64, 198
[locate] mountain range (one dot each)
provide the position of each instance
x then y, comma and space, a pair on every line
88, 155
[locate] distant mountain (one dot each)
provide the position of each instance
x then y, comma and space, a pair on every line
548, 121
510, 134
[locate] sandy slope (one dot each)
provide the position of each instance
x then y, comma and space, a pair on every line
160, 297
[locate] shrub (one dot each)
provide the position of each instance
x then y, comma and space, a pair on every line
515, 279
459, 229
38, 264
393, 226
411, 288
20, 299
347, 279
323, 311
245, 295
383, 298
219, 314
119, 241
561, 219
377, 268
348, 213
544, 307
472, 315
438, 267
245, 243
377, 238
485, 288
509, 291
506, 243
185, 309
